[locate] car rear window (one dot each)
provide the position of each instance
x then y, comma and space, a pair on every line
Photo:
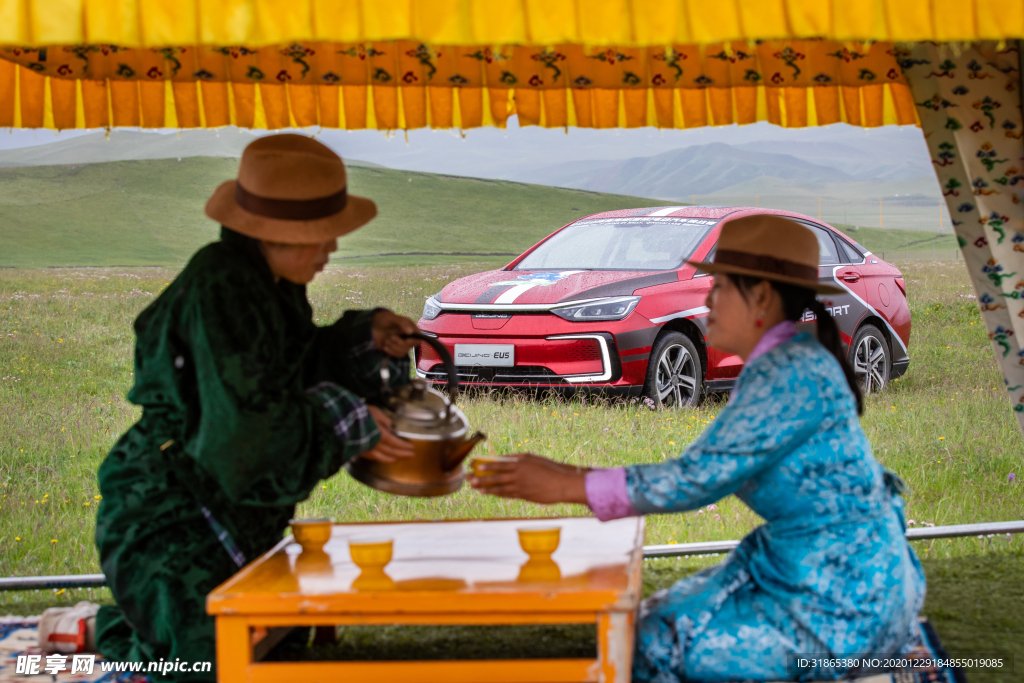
640, 243
851, 252
827, 254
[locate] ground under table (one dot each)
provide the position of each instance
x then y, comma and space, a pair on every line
457, 572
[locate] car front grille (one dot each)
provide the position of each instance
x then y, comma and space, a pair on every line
520, 374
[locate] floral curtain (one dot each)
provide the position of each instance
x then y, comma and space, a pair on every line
403, 84
969, 102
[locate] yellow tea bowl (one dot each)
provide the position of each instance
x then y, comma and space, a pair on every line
311, 534
314, 563
373, 580
539, 541
539, 570
479, 460
370, 553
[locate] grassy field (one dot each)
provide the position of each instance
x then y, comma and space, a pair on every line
143, 213
151, 212
945, 427
905, 245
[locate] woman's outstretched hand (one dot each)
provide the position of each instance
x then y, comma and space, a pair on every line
390, 447
532, 478
388, 330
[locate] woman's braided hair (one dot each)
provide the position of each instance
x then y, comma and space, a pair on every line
796, 300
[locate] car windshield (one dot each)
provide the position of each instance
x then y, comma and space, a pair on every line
641, 243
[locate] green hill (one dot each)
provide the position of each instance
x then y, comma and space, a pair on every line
151, 213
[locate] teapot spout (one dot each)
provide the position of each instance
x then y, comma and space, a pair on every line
459, 452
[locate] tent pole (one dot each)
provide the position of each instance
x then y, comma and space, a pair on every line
1020, 72
917, 534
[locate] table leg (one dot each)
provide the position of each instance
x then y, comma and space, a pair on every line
615, 634
234, 649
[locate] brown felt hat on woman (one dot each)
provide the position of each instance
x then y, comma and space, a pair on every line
769, 247
290, 189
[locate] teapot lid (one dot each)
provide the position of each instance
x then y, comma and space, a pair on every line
421, 412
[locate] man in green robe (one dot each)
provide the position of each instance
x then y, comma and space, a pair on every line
247, 404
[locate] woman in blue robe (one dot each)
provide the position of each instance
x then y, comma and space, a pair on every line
830, 571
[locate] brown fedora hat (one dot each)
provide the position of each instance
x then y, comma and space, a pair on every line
769, 247
290, 189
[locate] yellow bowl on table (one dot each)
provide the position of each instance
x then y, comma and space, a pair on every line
370, 553
539, 541
311, 534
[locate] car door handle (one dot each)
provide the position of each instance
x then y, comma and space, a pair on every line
851, 277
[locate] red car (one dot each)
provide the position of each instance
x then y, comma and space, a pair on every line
607, 303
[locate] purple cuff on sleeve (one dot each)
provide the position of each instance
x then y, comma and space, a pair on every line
607, 494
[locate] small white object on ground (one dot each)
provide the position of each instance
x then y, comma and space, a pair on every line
68, 630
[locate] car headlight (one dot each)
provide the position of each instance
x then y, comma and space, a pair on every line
431, 309
613, 308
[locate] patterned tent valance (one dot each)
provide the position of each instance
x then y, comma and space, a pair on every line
409, 85
403, 63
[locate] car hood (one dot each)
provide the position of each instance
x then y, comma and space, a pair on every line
519, 287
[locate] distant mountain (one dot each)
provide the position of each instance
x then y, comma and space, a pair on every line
129, 145
904, 192
680, 173
849, 168
519, 153
901, 161
125, 145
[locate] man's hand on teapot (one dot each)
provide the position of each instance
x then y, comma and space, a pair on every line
390, 447
533, 478
388, 329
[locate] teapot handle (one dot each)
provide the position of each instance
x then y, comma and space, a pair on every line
446, 359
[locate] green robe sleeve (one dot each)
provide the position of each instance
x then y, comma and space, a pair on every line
347, 356
262, 434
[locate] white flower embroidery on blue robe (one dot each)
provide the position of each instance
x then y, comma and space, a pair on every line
829, 572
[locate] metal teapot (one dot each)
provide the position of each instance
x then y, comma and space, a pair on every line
438, 432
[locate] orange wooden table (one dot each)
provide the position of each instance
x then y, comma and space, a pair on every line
461, 572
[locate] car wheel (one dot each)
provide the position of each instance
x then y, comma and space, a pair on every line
871, 363
674, 373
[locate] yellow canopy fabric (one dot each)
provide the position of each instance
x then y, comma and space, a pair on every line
157, 23
404, 84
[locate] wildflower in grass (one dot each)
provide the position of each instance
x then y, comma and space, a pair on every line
942, 438
98, 497
911, 522
53, 540
1011, 477
17, 538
